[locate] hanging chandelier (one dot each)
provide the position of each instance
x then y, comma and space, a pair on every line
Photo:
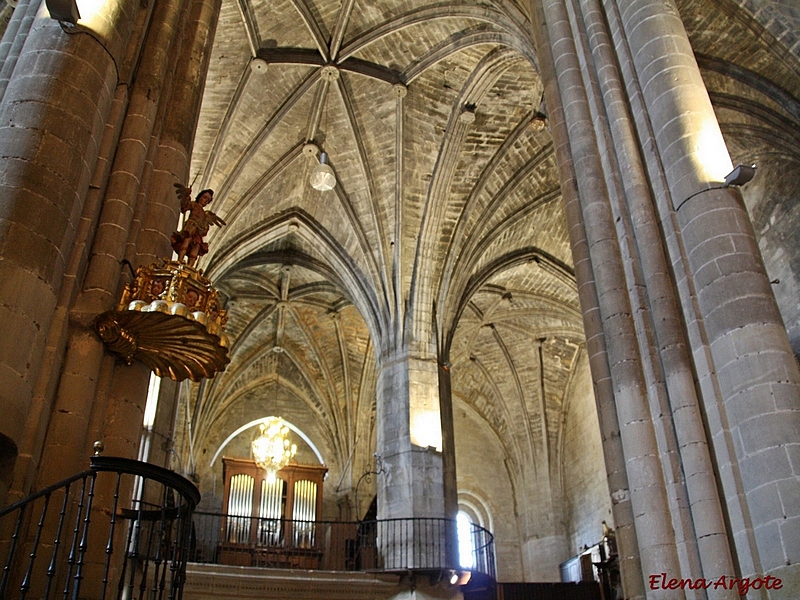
272, 450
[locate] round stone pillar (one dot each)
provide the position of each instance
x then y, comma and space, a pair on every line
53, 114
606, 303
748, 373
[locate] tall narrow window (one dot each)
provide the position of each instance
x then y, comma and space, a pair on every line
149, 419
466, 542
147, 430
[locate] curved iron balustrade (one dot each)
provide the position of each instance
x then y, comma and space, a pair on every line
389, 545
95, 536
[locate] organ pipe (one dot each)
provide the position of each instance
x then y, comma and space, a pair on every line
271, 512
240, 508
304, 511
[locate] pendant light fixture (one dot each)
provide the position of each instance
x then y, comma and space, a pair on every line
322, 177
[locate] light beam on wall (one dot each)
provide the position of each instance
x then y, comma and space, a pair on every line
424, 417
426, 429
96, 15
712, 152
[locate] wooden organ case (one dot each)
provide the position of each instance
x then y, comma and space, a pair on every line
270, 524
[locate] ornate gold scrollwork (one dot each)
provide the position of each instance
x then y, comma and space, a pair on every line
169, 318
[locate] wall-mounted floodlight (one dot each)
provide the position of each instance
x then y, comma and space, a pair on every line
63, 10
459, 577
740, 175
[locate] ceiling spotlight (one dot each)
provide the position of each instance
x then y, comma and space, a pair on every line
322, 177
740, 175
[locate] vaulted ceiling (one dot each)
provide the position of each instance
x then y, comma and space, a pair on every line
447, 193
447, 200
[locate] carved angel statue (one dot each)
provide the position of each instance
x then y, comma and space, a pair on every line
188, 242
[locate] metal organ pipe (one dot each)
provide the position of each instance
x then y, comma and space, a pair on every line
240, 508
271, 512
304, 511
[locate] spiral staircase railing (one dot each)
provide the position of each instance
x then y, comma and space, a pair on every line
121, 528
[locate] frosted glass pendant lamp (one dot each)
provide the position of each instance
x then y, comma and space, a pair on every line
322, 177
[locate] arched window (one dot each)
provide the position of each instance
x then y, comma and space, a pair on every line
474, 526
466, 541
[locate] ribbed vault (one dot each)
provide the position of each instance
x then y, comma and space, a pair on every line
447, 202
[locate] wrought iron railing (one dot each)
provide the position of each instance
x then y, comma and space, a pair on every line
384, 545
120, 529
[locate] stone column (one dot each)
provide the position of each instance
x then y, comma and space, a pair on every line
77, 396
450, 480
149, 95
630, 565
55, 346
592, 222
53, 112
748, 374
14, 38
413, 483
697, 512
179, 121
190, 28
417, 486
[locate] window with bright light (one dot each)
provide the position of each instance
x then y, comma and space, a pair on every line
152, 402
466, 543
149, 416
